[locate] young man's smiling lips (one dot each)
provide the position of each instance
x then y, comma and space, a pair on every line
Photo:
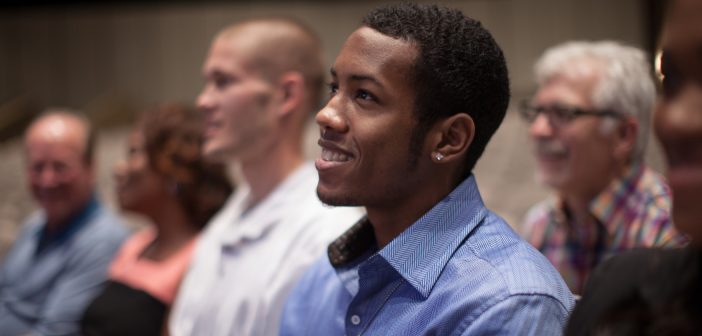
332, 156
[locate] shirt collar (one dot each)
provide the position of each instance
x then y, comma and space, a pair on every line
353, 243
420, 253
254, 223
46, 238
604, 206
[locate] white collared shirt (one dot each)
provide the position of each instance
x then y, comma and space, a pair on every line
247, 261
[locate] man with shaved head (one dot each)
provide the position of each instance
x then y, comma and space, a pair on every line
60, 258
263, 80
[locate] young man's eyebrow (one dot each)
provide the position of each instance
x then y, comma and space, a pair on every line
358, 78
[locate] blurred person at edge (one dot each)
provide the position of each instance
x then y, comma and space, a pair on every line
165, 179
58, 263
589, 122
263, 80
659, 291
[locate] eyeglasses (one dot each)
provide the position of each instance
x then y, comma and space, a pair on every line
560, 115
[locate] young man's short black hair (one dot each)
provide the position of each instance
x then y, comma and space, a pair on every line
460, 68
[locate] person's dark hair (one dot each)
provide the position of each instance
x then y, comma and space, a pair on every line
460, 68
172, 142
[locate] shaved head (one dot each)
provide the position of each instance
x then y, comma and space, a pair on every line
279, 45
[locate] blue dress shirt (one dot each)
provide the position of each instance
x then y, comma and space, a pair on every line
47, 279
458, 270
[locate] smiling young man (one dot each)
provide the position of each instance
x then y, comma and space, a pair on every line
417, 91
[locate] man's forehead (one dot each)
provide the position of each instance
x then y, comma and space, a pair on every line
372, 42
370, 52
57, 132
565, 90
228, 53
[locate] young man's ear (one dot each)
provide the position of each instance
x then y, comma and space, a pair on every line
291, 92
452, 137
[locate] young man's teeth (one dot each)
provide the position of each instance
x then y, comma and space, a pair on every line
329, 155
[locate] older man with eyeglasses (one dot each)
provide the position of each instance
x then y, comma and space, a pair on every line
589, 122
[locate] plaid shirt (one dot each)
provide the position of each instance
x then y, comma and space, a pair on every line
633, 211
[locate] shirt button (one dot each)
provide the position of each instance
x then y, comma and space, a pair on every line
355, 320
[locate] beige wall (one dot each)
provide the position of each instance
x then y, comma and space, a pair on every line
80, 57
109, 60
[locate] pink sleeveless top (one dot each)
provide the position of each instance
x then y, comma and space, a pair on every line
158, 278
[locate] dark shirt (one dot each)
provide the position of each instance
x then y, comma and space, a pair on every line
643, 292
47, 237
123, 310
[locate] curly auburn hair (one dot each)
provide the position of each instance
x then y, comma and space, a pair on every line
173, 136
460, 69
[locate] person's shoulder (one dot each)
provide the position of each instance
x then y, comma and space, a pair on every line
497, 274
539, 212
320, 270
632, 270
652, 189
509, 265
101, 236
319, 277
108, 225
640, 265
626, 283
31, 225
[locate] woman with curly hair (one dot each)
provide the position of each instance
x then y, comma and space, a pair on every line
165, 179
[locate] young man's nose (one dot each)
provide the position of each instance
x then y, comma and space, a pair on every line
331, 117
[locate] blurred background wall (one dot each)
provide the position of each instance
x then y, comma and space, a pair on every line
113, 59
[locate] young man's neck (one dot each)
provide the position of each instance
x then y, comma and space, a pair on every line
391, 220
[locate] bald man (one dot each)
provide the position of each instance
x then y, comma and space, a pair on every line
59, 261
263, 80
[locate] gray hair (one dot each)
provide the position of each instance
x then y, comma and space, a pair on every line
625, 84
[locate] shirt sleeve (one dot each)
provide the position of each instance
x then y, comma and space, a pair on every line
80, 282
521, 315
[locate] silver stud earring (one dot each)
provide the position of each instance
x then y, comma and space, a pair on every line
439, 156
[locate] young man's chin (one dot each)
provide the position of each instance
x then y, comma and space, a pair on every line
334, 199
